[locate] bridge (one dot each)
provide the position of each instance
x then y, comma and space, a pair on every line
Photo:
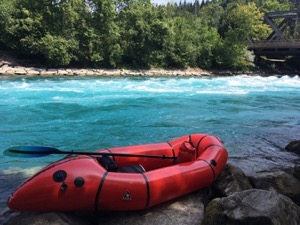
284, 40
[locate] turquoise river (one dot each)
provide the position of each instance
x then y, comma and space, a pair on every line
255, 116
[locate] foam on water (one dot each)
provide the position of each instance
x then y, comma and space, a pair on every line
237, 84
26, 171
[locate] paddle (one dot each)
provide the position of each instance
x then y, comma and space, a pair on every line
39, 151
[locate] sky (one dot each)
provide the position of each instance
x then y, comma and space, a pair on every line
165, 1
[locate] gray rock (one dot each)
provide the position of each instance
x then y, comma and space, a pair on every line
253, 206
35, 218
231, 180
265, 156
293, 146
278, 181
188, 210
297, 171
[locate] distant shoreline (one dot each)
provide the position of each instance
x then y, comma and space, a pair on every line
17, 71
8, 68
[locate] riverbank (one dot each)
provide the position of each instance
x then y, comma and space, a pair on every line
35, 71
10, 66
8, 69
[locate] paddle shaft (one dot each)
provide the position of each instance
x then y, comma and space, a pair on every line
56, 151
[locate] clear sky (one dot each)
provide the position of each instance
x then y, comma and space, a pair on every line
165, 1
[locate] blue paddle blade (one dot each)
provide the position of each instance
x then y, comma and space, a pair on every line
30, 151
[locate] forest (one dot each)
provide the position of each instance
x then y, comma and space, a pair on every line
136, 33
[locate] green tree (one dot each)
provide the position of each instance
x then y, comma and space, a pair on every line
6, 12
208, 42
242, 22
23, 28
105, 34
160, 34
57, 49
181, 49
135, 22
212, 13
275, 5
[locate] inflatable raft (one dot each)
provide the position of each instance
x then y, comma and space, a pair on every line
118, 183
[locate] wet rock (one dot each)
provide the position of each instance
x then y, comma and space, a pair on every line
293, 146
252, 206
278, 181
231, 180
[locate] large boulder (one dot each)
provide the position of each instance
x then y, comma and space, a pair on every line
231, 180
253, 206
278, 181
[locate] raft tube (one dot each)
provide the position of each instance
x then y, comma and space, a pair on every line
117, 183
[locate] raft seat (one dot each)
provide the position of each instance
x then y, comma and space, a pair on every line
110, 165
132, 169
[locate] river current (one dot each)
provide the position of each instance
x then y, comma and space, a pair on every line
253, 115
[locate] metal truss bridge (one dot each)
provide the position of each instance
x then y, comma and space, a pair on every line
284, 40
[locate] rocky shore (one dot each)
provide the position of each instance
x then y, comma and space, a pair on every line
238, 197
12, 66
9, 69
